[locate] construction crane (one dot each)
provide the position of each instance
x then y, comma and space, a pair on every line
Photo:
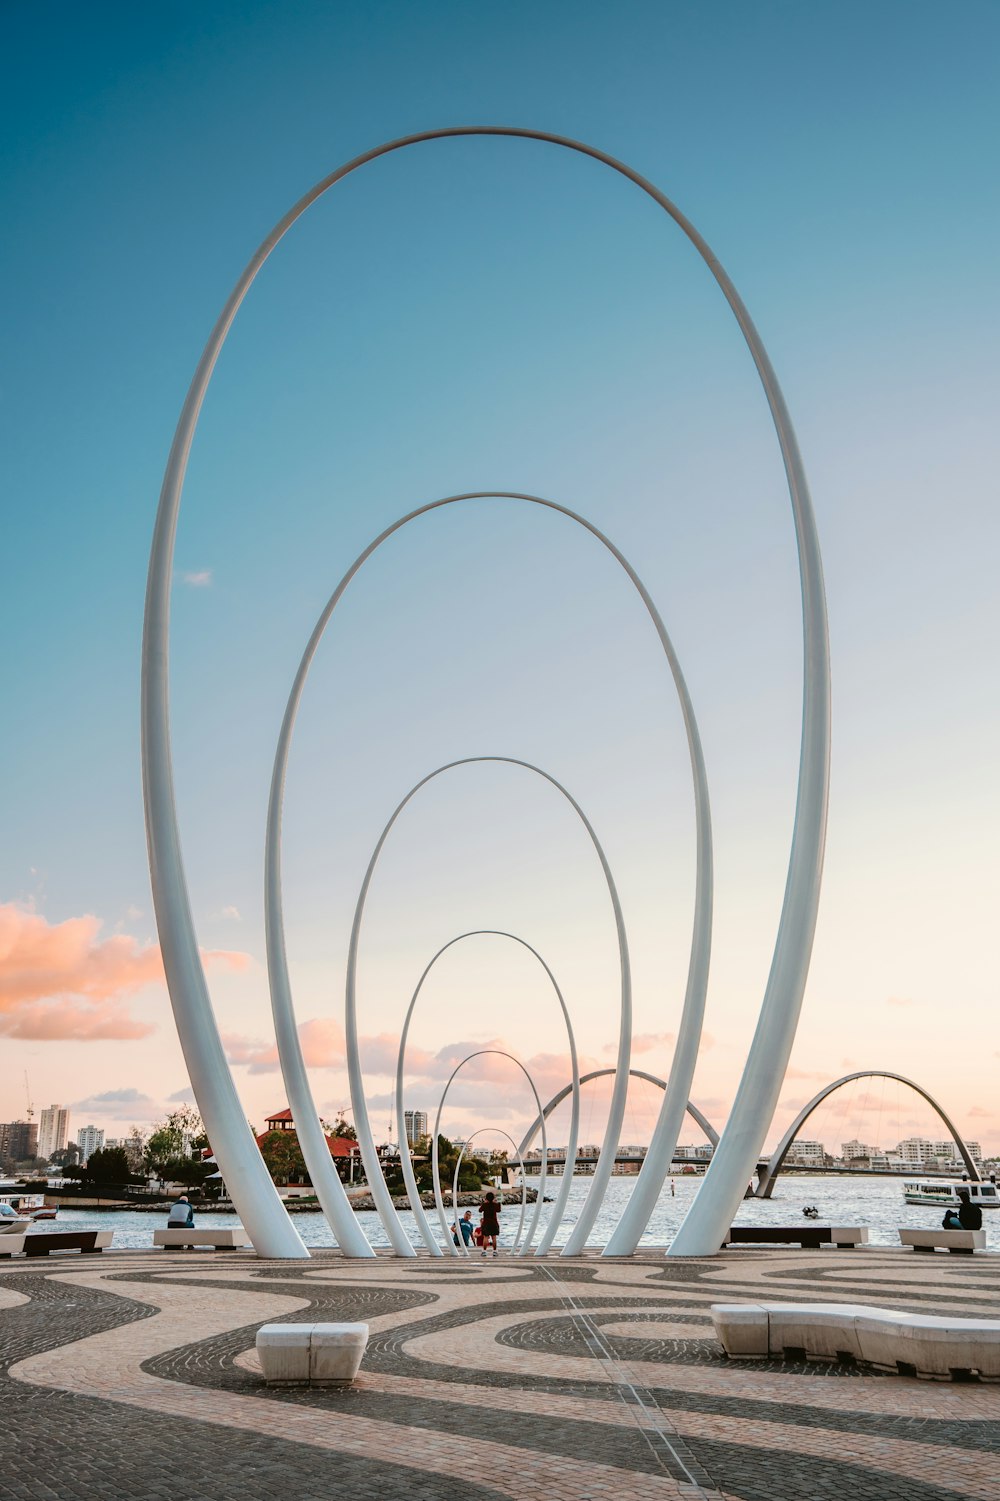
27, 1095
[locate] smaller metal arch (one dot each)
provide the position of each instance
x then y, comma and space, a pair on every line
766, 1180
400, 1241
634, 1073
435, 1165
463, 1249
559, 1208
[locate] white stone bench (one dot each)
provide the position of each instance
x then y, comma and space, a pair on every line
311, 1354
962, 1242
178, 1238
11, 1245
910, 1343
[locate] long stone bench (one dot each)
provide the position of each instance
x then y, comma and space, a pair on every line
807, 1235
45, 1243
311, 1354
180, 1239
911, 1344
959, 1242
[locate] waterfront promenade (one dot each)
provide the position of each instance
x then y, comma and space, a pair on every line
133, 1376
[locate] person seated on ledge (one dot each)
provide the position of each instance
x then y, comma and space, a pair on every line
970, 1216
181, 1215
465, 1225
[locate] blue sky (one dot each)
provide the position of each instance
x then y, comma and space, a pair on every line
502, 315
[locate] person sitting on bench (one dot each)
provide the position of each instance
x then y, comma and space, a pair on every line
181, 1215
969, 1216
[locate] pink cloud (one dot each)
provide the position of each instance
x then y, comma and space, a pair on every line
898, 1000
979, 1113
60, 981
646, 1042
322, 1042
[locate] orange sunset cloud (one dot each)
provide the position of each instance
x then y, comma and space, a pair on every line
61, 981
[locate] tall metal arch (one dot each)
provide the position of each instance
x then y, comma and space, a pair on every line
664, 1139
559, 1208
369, 1155
253, 1193
766, 1181
435, 1167
601, 1073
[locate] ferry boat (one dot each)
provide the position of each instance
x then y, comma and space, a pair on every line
944, 1193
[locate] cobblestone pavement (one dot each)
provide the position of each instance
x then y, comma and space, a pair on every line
132, 1376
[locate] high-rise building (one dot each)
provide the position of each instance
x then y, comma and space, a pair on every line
53, 1131
89, 1139
18, 1142
415, 1125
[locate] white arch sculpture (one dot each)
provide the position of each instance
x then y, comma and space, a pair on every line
463, 1249
369, 1154
699, 1118
253, 1193
664, 1140
559, 1208
435, 1163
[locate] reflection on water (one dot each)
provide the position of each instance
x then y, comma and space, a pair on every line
875, 1202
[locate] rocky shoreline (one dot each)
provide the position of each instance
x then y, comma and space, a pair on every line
360, 1201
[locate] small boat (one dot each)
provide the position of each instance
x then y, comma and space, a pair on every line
943, 1193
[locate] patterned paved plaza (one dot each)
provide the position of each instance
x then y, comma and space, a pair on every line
132, 1376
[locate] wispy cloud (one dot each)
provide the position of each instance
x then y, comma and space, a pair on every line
233, 913
118, 1104
201, 579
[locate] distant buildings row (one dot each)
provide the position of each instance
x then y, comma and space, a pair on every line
26, 1141
914, 1152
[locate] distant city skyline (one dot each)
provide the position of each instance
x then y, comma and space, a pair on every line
487, 314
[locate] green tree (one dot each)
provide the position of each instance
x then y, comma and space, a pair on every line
283, 1157
66, 1155
181, 1133
108, 1165
470, 1179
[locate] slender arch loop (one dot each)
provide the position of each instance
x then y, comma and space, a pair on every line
435, 1164
366, 1141
463, 1249
696, 1115
559, 1209
252, 1191
765, 1182
329, 1189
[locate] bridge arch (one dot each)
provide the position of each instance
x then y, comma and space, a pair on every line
765, 1182
602, 1073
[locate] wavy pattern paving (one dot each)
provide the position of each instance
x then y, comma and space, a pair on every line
569, 1381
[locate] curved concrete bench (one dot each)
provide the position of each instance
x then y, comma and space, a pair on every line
912, 1344
311, 1354
177, 1239
961, 1242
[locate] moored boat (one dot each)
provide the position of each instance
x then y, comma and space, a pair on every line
943, 1192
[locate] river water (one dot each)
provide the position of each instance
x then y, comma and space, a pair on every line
841, 1200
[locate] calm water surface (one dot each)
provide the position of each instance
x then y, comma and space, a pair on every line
875, 1202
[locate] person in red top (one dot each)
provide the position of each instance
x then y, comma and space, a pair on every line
489, 1209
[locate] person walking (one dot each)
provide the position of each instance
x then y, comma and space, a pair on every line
489, 1211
